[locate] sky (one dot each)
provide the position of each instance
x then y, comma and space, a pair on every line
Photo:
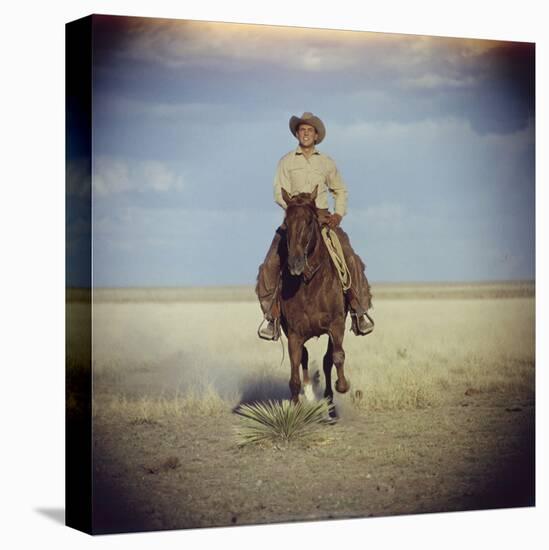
434, 137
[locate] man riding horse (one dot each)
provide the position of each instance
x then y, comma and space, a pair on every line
302, 171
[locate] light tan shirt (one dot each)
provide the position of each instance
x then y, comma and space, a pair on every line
298, 174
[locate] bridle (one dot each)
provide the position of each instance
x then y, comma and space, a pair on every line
310, 276
310, 271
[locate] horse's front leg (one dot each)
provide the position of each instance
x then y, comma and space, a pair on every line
295, 351
342, 384
327, 364
307, 384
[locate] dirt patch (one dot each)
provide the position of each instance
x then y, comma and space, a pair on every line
476, 453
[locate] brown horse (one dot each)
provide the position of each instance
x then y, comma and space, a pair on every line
312, 301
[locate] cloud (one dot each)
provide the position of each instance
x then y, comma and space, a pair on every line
78, 178
155, 111
178, 44
159, 178
432, 81
110, 176
432, 138
113, 175
183, 43
210, 67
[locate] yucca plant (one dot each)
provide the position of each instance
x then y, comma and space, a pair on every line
281, 421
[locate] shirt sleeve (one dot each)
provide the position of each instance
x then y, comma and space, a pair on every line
338, 189
281, 180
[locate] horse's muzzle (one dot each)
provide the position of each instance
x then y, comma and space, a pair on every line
296, 265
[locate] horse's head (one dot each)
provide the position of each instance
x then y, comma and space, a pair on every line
301, 220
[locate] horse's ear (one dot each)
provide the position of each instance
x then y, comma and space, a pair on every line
314, 194
286, 196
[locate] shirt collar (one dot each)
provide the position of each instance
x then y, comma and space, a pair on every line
298, 151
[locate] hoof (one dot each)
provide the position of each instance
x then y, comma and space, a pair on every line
342, 386
308, 392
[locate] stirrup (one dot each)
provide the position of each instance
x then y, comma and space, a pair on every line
276, 331
355, 324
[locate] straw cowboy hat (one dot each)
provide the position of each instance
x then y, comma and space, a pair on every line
308, 118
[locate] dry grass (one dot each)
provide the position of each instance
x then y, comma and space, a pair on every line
150, 409
425, 351
153, 359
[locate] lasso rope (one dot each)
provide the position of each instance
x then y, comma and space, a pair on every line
336, 253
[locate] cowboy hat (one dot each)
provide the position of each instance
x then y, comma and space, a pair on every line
308, 118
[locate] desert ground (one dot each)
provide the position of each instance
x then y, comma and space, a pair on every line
440, 416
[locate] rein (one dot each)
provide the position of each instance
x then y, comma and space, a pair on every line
311, 271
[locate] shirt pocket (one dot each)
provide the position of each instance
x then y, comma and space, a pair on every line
317, 178
299, 180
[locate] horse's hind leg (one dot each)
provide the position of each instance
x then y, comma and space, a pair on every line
307, 385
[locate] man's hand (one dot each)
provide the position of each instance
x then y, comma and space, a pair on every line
334, 221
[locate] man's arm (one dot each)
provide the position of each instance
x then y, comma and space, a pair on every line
338, 189
281, 180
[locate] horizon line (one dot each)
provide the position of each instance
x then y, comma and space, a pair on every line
251, 285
